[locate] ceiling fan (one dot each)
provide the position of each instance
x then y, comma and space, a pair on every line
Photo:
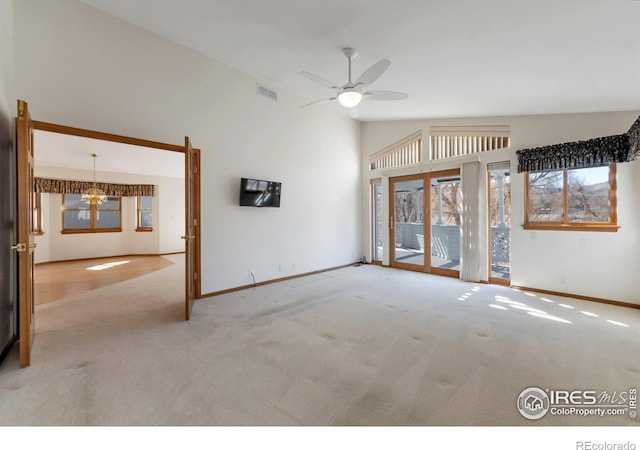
351, 93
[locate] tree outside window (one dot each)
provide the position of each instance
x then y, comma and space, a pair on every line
572, 198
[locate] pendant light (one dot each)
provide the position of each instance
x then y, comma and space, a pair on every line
94, 196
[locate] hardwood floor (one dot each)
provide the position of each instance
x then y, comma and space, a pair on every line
57, 280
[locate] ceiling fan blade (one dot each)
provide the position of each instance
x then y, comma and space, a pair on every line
372, 73
319, 80
385, 95
324, 100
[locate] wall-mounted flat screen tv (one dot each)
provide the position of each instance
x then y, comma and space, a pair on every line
260, 193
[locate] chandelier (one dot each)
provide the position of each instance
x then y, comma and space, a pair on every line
94, 196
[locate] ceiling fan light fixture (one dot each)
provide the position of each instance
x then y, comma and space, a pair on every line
349, 98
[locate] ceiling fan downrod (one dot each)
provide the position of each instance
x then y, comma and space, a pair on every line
349, 53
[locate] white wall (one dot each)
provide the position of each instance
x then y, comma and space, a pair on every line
78, 66
168, 220
595, 264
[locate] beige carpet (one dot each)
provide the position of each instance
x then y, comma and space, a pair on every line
358, 346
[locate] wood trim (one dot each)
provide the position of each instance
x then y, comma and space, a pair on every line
613, 193
93, 218
426, 214
91, 230
198, 227
451, 273
81, 132
37, 207
139, 210
63, 129
500, 281
276, 280
568, 227
579, 297
111, 256
612, 226
376, 262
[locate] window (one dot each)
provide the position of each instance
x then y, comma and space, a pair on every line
37, 213
452, 141
572, 199
406, 152
78, 217
144, 206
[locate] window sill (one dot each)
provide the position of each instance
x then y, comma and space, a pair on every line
144, 229
97, 230
562, 227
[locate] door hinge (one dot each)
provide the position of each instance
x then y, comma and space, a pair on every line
22, 247
195, 222
20, 109
195, 275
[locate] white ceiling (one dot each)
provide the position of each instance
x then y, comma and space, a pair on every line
455, 58
63, 150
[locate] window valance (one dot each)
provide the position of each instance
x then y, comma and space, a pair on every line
52, 186
582, 154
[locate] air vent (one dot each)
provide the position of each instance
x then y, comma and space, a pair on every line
266, 92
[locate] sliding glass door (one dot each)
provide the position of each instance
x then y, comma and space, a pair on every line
426, 219
445, 223
407, 222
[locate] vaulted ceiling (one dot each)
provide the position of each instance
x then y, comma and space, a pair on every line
455, 58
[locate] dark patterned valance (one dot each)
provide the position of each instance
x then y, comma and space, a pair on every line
51, 186
575, 155
634, 141
578, 155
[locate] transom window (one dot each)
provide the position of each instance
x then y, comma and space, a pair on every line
79, 217
572, 199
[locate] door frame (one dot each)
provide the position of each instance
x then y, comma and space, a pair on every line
392, 223
492, 279
99, 135
25, 235
426, 177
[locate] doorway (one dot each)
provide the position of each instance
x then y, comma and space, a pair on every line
159, 148
499, 197
425, 220
25, 127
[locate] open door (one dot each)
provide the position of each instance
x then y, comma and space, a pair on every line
24, 231
190, 214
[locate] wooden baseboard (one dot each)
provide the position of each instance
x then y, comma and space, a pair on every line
579, 297
275, 280
106, 257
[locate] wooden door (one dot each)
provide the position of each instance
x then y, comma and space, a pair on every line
25, 231
406, 222
425, 222
190, 214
